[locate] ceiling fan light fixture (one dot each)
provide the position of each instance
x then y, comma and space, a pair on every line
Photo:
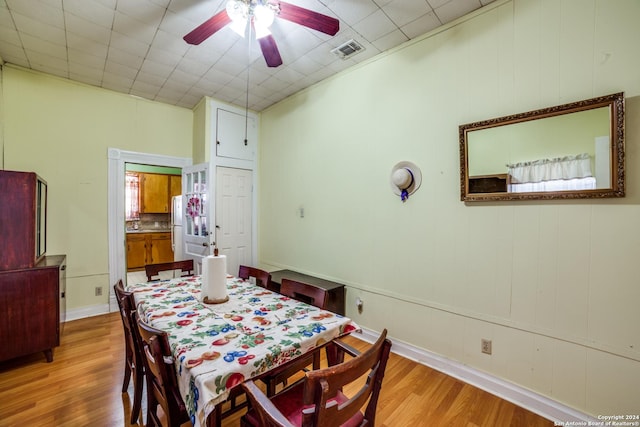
262, 19
238, 11
261, 31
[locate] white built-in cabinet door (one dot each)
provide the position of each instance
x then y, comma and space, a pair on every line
235, 135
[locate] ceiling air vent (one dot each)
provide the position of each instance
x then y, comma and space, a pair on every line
347, 49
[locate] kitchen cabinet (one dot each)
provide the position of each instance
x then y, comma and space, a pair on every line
156, 191
175, 186
161, 250
136, 250
148, 248
32, 301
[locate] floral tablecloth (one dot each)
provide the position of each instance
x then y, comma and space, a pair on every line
218, 346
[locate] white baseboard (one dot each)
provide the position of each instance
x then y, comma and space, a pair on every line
88, 311
534, 402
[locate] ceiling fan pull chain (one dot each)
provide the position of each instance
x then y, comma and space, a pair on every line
246, 107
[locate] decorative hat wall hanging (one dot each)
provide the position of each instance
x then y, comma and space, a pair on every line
405, 179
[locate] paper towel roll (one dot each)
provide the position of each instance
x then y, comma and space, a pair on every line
214, 279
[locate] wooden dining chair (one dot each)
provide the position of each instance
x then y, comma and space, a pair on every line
133, 364
153, 270
318, 399
162, 382
304, 292
309, 294
262, 277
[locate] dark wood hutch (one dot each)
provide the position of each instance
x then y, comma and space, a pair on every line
32, 284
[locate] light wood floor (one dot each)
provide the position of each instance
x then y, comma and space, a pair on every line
82, 387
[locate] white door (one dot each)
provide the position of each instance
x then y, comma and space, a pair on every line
233, 216
196, 219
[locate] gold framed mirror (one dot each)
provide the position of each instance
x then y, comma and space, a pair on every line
568, 151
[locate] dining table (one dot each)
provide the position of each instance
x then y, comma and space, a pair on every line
218, 346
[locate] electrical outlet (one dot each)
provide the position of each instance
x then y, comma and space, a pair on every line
359, 304
98, 291
485, 346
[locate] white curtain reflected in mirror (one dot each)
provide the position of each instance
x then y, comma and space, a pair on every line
568, 151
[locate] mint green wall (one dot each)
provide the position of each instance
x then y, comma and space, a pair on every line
133, 167
553, 284
62, 130
490, 150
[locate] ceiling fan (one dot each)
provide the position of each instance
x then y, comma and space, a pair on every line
260, 14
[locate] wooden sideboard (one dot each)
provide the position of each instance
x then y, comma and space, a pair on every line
33, 306
336, 290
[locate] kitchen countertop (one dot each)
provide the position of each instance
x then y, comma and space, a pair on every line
150, 230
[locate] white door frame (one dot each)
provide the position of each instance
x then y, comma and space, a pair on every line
116, 221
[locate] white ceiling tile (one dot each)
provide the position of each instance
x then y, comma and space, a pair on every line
39, 11
193, 68
163, 57
375, 26
9, 36
144, 89
422, 25
84, 74
390, 40
128, 44
14, 55
402, 12
27, 25
454, 9
436, 3
197, 11
142, 10
31, 44
218, 76
90, 10
123, 70
274, 84
304, 65
133, 28
91, 47
42, 61
151, 79
87, 29
83, 58
156, 69
352, 12
111, 4
181, 79
121, 57
116, 82
170, 43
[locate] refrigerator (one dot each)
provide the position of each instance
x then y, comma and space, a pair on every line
177, 239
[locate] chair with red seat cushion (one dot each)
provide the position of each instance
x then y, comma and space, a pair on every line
185, 267
262, 277
134, 364
311, 295
162, 382
318, 399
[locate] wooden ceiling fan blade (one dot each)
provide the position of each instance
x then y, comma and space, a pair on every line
309, 18
208, 28
270, 51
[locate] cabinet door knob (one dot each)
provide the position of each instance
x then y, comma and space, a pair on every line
205, 244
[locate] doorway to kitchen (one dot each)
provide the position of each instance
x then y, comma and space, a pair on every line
118, 159
150, 196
